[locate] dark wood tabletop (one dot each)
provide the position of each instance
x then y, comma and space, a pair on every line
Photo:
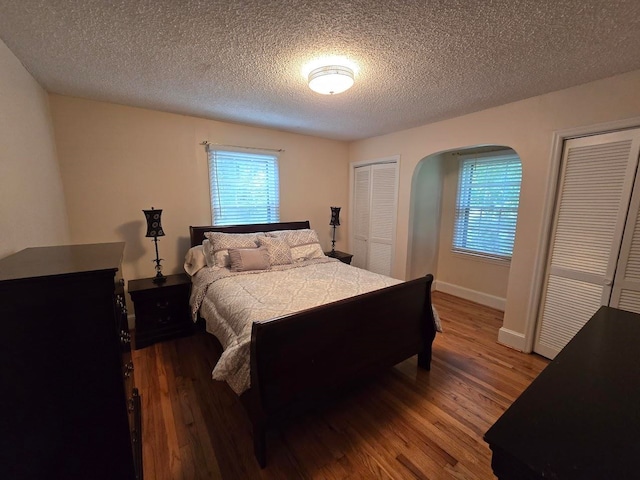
580, 418
60, 260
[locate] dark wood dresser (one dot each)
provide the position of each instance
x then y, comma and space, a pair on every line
580, 418
68, 405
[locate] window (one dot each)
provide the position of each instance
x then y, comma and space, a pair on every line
487, 205
244, 187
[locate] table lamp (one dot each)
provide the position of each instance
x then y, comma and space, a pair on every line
335, 221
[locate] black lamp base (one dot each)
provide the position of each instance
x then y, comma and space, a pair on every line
159, 278
333, 242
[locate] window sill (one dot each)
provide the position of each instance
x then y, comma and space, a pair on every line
479, 257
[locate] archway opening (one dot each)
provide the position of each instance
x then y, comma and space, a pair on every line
464, 263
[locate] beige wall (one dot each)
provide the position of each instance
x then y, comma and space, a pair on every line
117, 160
32, 208
424, 217
526, 126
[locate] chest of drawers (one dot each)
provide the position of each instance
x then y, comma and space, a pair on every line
69, 406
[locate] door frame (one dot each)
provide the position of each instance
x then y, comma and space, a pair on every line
544, 244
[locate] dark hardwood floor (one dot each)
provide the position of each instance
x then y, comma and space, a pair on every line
405, 423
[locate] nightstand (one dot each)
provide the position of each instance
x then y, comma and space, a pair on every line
161, 310
343, 257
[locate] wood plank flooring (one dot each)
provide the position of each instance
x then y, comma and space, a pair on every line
404, 424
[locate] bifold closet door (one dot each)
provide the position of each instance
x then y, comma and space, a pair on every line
375, 210
626, 282
382, 233
361, 216
594, 192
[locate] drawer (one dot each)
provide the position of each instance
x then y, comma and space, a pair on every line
161, 314
134, 407
127, 375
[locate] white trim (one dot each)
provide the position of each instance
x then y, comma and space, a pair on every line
546, 351
364, 163
557, 144
480, 257
473, 295
509, 338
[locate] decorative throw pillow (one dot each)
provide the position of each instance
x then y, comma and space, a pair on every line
304, 243
279, 251
222, 242
306, 252
243, 259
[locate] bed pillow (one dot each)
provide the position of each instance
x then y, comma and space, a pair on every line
279, 251
222, 242
304, 243
194, 260
244, 259
207, 249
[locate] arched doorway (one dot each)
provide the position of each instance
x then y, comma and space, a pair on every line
481, 276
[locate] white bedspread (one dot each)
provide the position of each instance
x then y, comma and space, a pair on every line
231, 301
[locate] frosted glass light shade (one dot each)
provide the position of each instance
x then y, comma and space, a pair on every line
331, 79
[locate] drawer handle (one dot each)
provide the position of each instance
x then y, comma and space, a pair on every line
128, 369
130, 405
125, 338
163, 304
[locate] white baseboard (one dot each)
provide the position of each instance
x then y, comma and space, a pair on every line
472, 295
512, 339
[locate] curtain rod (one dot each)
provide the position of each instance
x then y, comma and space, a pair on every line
206, 143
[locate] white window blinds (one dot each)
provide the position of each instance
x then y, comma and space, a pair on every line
487, 205
244, 187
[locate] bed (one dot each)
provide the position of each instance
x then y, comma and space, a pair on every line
299, 359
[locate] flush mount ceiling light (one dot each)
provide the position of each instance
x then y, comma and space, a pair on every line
331, 79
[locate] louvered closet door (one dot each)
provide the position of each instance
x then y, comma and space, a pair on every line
626, 283
595, 190
361, 215
375, 194
384, 181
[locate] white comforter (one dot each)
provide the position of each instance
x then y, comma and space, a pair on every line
231, 301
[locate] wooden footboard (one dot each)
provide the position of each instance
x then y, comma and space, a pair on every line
302, 358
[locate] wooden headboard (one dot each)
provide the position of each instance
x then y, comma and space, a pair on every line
197, 233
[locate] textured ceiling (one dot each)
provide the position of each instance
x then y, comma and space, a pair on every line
241, 61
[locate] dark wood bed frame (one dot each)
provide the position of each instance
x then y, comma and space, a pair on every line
301, 359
